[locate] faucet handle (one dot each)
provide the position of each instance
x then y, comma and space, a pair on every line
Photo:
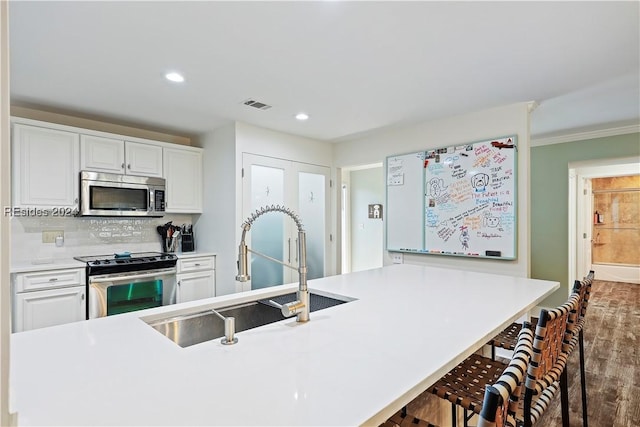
292, 308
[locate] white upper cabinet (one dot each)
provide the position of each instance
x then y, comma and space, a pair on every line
101, 154
48, 158
111, 155
45, 167
183, 172
143, 159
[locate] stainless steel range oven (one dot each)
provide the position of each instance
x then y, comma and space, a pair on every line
128, 282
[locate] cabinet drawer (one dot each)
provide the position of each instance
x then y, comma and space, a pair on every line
25, 282
196, 264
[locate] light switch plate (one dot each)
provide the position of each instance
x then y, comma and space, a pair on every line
49, 236
397, 258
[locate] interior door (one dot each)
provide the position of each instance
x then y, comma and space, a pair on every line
304, 189
313, 207
264, 185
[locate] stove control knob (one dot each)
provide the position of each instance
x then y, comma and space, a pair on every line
96, 263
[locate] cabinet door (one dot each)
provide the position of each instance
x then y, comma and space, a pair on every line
194, 286
40, 309
183, 172
101, 154
143, 159
46, 167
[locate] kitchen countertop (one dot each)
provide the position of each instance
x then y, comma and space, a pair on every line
49, 264
63, 263
352, 364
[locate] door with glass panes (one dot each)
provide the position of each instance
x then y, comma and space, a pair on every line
301, 187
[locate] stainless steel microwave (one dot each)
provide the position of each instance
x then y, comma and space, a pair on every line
105, 194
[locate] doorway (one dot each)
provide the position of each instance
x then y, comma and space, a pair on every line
587, 230
362, 232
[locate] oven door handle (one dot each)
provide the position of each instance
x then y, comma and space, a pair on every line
126, 277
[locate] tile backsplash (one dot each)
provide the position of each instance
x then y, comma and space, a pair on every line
86, 236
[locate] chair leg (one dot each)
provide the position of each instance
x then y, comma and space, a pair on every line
564, 398
583, 380
454, 415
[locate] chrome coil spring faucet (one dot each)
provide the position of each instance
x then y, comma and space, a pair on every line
300, 307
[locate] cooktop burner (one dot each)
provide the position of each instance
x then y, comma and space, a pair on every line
127, 262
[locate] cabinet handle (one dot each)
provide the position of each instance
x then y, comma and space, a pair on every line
122, 166
53, 279
82, 297
129, 166
197, 264
179, 282
76, 200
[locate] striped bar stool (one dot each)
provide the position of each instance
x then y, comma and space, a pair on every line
507, 338
584, 290
501, 399
547, 371
506, 385
465, 384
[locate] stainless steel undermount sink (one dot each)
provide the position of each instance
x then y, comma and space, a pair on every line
193, 328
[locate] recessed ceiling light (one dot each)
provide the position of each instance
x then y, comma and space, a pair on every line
174, 77
302, 116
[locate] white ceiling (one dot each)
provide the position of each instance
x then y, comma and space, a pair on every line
354, 67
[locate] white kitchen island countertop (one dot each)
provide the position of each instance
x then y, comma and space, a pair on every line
352, 364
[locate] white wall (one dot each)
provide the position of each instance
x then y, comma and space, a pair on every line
486, 124
215, 229
367, 235
221, 221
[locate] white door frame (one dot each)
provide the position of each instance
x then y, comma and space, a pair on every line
580, 209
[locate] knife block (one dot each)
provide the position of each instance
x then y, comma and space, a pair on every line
187, 243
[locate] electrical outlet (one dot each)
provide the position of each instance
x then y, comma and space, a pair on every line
397, 258
49, 236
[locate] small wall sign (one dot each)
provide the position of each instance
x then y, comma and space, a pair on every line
375, 211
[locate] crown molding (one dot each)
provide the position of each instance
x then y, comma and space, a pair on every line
580, 136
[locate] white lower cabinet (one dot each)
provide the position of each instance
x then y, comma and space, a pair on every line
196, 278
48, 298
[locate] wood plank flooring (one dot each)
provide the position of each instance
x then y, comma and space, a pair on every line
612, 359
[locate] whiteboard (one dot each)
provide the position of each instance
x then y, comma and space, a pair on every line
467, 203
405, 202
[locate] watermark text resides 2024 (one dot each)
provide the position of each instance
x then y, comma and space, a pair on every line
16, 211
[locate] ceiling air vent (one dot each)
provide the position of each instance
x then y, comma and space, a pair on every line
256, 104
